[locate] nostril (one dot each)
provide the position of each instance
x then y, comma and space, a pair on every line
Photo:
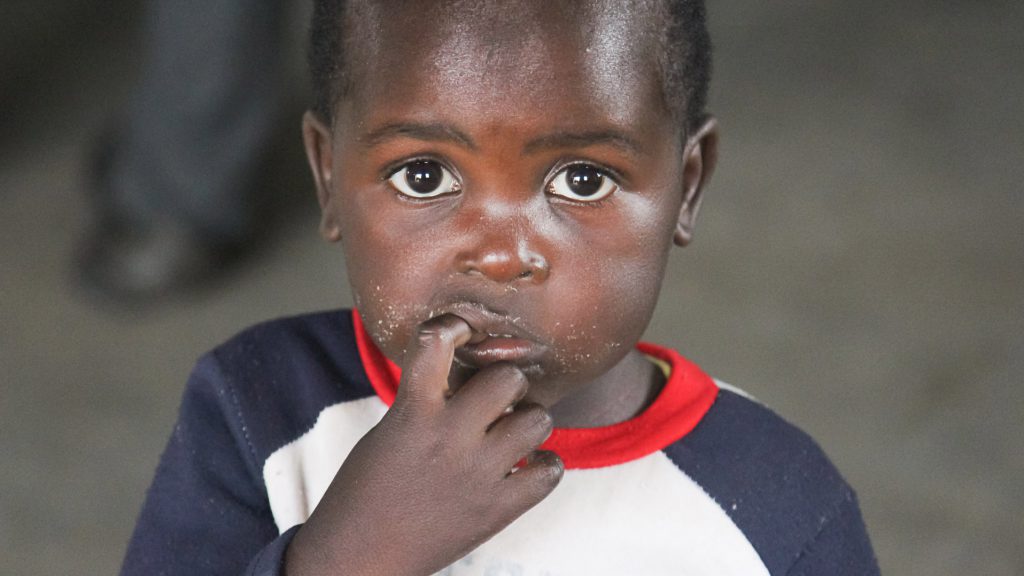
536, 267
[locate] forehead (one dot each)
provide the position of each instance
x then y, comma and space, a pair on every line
516, 60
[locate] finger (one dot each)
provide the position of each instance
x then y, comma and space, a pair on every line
534, 481
429, 357
490, 393
518, 434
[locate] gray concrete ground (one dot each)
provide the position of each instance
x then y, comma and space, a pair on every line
859, 267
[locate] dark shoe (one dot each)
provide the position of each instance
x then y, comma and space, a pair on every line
140, 263
128, 261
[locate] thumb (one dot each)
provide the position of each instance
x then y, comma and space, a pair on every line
429, 358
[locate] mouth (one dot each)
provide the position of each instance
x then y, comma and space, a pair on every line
496, 337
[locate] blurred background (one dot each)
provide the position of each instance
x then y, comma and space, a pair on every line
858, 266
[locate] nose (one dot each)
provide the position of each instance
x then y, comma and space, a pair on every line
504, 251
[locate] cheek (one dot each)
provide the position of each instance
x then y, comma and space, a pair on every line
386, 272
606, 294
389, 312
611, 308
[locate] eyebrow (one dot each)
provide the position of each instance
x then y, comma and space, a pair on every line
426, 132
438, 132
583, 140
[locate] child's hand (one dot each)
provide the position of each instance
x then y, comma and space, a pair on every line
432, 480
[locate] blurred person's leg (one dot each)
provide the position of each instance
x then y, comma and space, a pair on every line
174, 176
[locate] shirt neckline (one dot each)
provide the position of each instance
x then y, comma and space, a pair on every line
684, 400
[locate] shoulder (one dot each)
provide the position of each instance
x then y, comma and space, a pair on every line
280, 342
738, 431
770, 477
273, 379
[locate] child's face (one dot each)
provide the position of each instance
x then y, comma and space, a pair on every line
516, 167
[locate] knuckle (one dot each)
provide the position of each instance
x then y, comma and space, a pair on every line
409, 398
540, 480
404, 414
504, 375
544, 478
442, 452
550, 473
511, 373
539, 419
429, 337
512, 382
518, 381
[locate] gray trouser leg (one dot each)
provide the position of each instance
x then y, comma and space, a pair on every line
201, 116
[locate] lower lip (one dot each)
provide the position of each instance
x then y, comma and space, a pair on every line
497, 349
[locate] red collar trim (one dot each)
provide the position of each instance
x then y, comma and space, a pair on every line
682, 403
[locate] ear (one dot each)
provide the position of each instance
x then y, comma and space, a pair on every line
316, 137
700, 154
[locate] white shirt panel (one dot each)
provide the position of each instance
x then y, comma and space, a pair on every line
642, 517
298, 474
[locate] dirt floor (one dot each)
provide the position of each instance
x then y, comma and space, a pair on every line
859, 267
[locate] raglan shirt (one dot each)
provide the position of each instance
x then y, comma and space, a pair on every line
705, 481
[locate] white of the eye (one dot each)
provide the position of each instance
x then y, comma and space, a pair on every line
560, 187
399, 181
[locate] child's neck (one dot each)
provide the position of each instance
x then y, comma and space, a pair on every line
620, 394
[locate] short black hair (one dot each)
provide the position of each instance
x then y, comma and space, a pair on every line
685, 59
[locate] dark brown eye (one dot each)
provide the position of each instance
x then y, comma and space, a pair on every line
583, 183
423, 176
423, 179
584, 180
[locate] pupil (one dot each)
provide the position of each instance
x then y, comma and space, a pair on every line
423, 176
584, 180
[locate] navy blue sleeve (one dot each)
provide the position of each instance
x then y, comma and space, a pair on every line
778, 487
841, 547
206, 511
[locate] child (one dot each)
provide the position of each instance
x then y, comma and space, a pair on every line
506, 180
